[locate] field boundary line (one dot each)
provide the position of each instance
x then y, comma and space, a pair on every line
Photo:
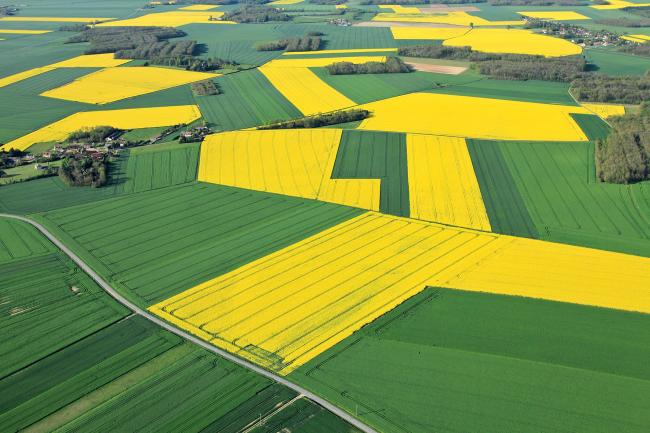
171, 328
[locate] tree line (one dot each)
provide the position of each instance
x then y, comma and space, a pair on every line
612, 89
205, 88
539, 2
391, 65
311, 42
319, 120
624, 157
624, 22
256, 14
505, 66
114, 39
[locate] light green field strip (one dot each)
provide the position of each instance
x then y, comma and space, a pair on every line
100, 395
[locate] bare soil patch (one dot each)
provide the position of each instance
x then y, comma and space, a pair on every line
438, 69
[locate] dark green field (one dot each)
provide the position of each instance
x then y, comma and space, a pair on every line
248, 100
450, 361
376, 155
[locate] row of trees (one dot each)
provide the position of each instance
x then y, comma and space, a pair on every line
539, 2
256, 14
637, 49
335, 118
96, 134
84, 171
506, 66
192, 63
328, 2
153, 50
310, 42
391, 65
114, 39
624, 157
625, 22
613, 89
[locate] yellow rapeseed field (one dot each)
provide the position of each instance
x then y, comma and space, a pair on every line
401, 9
86, 61
122, 119
555, 15
284, 309
198, 7
296, 162
345, 51
114, 84
442, 183
605, 110
466, 116
641, 39
54, 19
515, 41
321, 61
620, 4
341, 6
170, 19
23, 32
454, 18
305, 90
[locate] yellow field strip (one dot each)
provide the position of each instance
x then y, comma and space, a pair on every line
442, 183
453, 18
123, 119
198, 7
114, 84
341, 6
86, 61
284, 309
467, 116
23, 32
515, 41
605, 111
297, 163
285, 2
350, 51
303, 88
170, 19
401, 9
620, 4
640, 39
54, 19
555, 15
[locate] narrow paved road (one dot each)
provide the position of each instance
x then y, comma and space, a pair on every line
137, 310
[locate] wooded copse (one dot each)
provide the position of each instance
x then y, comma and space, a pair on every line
391, 65
256, 14
624, 157
114, 39
305, 43
613, 89
96, 134
84, 171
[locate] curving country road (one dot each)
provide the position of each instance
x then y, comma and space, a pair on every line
137, 310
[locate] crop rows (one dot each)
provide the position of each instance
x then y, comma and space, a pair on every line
172, 242
487, 353
19, 241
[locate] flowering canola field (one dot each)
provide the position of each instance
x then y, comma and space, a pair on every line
282, 310
23, 32
453, 18
295, 162
114, 84
18, 18
515, 41
442, 183
466, 116
605, 110
85, 61
555, 15
123, 119
169, 19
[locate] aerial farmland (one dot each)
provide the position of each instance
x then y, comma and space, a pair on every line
325, 216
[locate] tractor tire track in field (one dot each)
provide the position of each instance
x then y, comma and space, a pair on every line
137, 310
